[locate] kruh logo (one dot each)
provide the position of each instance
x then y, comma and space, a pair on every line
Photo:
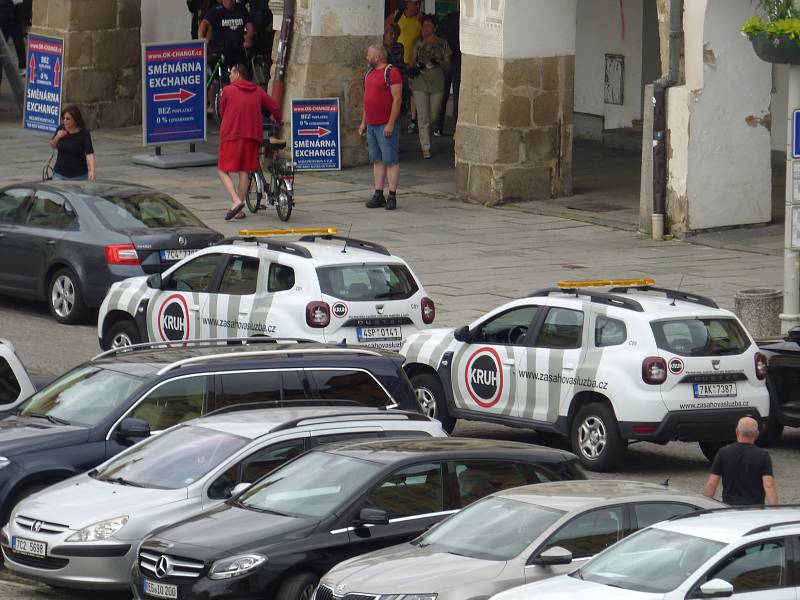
173, 319
676, 366
339, 309
484, 377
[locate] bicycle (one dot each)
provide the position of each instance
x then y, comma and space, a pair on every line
280, 190
214, 85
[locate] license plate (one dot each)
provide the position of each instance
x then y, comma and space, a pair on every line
160, 590
714, 390
176, 254
29, 547
371, 334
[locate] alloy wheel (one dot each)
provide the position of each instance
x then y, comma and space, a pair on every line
427, 401
592, 437
62, 296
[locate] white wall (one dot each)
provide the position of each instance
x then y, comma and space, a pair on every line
779, 107
164, 21
346, 17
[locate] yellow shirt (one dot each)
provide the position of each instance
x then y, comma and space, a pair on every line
410, 32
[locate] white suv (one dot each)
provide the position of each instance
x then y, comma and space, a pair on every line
321, 287
635, 362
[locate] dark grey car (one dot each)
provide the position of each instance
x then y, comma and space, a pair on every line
67, 242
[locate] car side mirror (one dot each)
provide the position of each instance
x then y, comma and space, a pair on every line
155, 281
238, 489
716, 588
372, 516
133, 429
462, 334
552, 556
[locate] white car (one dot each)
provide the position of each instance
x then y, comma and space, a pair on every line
746, 554
634, 362
322, 288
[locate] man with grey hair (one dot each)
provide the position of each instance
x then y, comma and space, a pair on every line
745, 470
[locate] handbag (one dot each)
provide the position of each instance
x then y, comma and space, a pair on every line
47, 170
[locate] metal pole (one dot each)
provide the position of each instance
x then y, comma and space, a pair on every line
791, 256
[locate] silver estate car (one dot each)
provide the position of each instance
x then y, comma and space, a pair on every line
510, 538
84, 532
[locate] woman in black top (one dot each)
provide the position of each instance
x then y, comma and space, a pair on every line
75, 158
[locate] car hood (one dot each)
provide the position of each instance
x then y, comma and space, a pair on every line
426, 346
567, 588
407, 569
81, 500
20, 435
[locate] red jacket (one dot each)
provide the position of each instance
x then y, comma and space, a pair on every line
240, 108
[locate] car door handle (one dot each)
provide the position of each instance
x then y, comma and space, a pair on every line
509, 362
194, 307
569, 367
50, 242
2, 235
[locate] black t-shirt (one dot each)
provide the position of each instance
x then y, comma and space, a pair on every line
228, 25
72, 151
741, 467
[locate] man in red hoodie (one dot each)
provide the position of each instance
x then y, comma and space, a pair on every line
241, 133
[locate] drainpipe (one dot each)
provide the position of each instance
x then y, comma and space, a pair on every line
660, 86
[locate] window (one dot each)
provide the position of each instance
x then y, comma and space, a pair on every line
700, 337
415, 490
294, 385
479, 478
367, 282
245, 388
609, 332
267, 459
508, 328
143, 210
240, 276
346, 384
754, 568
9, 386
353, 436
50, 210
589, 533
562, 329
648, 513
194, 276
11, 202
280, 279
173, 402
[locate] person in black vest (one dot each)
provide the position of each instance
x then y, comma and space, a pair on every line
75, 160
229, 30
745, 470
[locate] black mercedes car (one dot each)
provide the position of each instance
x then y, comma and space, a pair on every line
277, 538
67, 242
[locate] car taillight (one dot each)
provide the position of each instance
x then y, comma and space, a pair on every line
761, 365
654, 370
121, 254
428, 311
318, 314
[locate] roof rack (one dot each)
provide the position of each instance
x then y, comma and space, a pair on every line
360, 244
671, 294
285, 247
198, 343
379, 414
597, 297
280, 404
707, 511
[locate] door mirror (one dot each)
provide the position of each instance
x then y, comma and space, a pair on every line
238, 489
372, 516
716, 588
133, 429
155, 281
553, 556
462, 334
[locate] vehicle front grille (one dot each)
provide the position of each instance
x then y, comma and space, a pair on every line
714, 378
38, 526
176, 566
323, 593
379, 322
326, 593
50, 562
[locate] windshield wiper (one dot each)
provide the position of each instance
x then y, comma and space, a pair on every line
262, 510
51, 418
122, 481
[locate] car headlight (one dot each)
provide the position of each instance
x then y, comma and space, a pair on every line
99, 531
4, 462
409, 597
236, 565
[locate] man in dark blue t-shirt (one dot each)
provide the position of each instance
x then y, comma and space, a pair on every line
228, 29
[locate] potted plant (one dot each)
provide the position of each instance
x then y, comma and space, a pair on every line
775, 34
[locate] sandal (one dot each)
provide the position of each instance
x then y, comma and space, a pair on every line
234, 211
240, 215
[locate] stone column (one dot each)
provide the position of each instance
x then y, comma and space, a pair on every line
514, 134
102, 73
328, 60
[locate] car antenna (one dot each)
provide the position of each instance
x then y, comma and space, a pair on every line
347, 239
666, 482
680, 285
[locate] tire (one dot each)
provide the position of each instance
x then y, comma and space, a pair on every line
217, 100
121, 334
710, 449
284, 201
773, 429
299, 586
255, 192
595, 439
430, 395
65, 299
19, 496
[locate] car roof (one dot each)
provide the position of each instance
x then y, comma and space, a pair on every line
323, 252
90, 188
654, 305
389, 451
734, 523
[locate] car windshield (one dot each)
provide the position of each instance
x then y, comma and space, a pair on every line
365, 283
653, 560
700, 337
490, 529
84, 396
143, 210
311, 486
174, 459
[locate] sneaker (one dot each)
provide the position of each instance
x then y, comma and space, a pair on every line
412, 127
437, 133
377, 201
391, 203
426, 154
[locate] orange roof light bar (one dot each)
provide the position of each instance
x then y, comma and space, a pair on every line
270, 232
605, 283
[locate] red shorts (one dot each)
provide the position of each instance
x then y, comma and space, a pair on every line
238, 155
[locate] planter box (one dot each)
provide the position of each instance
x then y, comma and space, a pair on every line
780, 50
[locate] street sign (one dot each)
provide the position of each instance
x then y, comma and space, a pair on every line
796, 133
315, 135
45, 67
174, 92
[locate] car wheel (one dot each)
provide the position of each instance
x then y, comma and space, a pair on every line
710, 449
65, 297
595, 437
299, 586
430, 396
121, 335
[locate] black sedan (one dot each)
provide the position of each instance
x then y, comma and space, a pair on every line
67, 242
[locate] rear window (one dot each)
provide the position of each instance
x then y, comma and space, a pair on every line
144, 210
700, 337
367, 282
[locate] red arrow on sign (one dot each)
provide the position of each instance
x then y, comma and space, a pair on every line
32, 76
319, 132
182, 95
57, 69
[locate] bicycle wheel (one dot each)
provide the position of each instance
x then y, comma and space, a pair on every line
284, 201
217, 100
255, 192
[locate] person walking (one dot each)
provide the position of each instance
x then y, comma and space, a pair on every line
382, 98
73, 142
431, 59
745, 470
241, 133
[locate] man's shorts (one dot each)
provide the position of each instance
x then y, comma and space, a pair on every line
381, 148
